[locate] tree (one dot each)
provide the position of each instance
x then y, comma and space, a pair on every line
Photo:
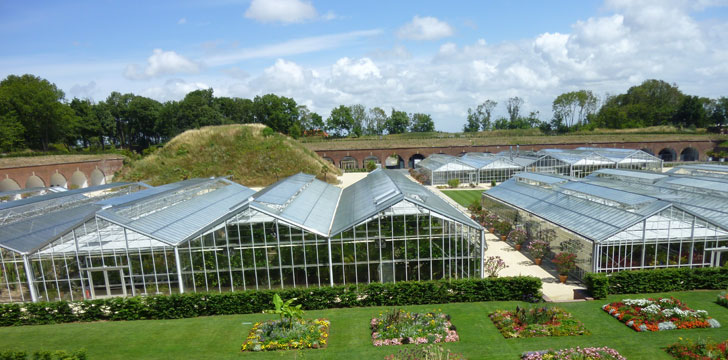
143, 114
377, 120
481, 115
398, 122
11, 129
654, 102
277, 112
359, 115
718, 111
472, 124
235, 110
422, 123
575, 107
88, 126
340, 121
691, 113
37, 104
513, 106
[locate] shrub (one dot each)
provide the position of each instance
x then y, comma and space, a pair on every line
657, 280
536, 322
44, 355
371, 166
503, 227
179, 306
268, 132
453, 183
492, 183
603, 353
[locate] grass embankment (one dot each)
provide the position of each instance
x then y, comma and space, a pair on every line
464, 197
220, 337
510, 137
239, 151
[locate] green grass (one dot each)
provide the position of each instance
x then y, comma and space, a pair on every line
220, 337
239, 151
464, 197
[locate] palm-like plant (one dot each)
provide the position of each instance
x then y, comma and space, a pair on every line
285, 310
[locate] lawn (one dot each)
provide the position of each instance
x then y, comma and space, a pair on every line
464, 197
220, 337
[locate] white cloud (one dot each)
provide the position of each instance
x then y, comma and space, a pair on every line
182, 21
425, 28
283, 11
282, 77
83, 91
174, 89
292, 47
162, 63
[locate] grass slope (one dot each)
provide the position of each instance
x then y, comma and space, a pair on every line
239, 151
464, 197
220, 337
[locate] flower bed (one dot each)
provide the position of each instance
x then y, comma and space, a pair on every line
286, 335
702, 349
659, 314
536, 322
399, 327
723, 299
591, 353
430, 351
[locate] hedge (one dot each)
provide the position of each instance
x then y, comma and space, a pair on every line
657, 280
255, 301
43, 355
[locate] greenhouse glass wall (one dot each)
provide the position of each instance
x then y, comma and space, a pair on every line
491, 168
215, 235
440, 169
620, 219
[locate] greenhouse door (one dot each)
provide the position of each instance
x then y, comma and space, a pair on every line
106, 282
473, 178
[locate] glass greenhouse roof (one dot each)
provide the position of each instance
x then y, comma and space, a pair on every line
302, 200
382, 189
599, 207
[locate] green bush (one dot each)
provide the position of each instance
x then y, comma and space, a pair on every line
43, 355
657, 280
453, 183
255, 301
598, 285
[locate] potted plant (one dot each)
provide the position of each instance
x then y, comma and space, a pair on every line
503, 228
518, 237
489, 222
493, 265
710, 154
565, 262
538, 249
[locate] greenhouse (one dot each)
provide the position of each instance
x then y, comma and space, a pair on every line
203, 235
491, 168
440, 169
627, 158
571, 162
622, 219
710, 170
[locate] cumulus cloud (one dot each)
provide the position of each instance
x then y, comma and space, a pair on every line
182, 21
425, 28
83, 91
282, 11
161, 63
626, 44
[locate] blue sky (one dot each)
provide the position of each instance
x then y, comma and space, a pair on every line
419, 56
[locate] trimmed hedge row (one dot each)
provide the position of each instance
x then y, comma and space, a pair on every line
657, 280
251, 301
43, 355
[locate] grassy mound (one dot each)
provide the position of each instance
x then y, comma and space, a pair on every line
240, 151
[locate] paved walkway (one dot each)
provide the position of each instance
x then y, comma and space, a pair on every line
519, 264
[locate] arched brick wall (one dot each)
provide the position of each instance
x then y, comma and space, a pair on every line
22, 174
701, 146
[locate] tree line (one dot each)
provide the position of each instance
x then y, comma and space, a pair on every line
652, 103
34, 114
